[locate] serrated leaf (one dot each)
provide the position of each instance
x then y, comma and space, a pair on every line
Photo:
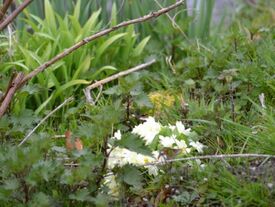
115, 90
132, 176
81, 195
142, 100
134, 143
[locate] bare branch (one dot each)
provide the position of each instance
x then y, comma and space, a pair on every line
204, 157
14, 14
13, 85
45, 118
113, 77
4, 8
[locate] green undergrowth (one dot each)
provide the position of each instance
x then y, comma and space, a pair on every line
219, 85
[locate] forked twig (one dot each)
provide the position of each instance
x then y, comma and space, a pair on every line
87, 90
14, 14
44, 119
5, 8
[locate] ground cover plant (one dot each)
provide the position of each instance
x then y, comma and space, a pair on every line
193, 125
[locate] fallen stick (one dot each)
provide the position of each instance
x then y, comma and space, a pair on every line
204, 157
44, 119
87, 90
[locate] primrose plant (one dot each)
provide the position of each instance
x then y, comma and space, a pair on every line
163, 141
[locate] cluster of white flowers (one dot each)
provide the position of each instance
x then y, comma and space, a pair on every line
110, 181
121, 156
177, 138
148, 130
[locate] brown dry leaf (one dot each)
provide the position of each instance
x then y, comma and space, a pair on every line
69, 144
78, 144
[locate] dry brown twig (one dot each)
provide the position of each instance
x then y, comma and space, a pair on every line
203, 157
87, 90
68, 100
221, 156
86, 40
12, 87
4, 9
14, 14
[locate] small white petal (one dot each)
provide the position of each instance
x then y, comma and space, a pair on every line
181, 128
198, 146
117, 135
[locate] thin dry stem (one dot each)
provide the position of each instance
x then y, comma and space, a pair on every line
14, 14
204, 157
68, 100
5, 8
113, 77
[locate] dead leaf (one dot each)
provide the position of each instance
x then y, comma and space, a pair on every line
69, 144
78, 144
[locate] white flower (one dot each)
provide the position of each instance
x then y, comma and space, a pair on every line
148, 130
121, 156
173, 143
118, 157
152, 170
172, 127
117, 135
181, 128
180, 144
197, 145
110, 181
167, 141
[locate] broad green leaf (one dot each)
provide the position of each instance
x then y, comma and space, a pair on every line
77, 10
83, 67
50, 16
21, 65
132, 176
46, 36
107, 44
103, 69
75, 26
142, 100
134, 143
115, 90
71, 83
81, 195
140, 47
89, 26
114, 15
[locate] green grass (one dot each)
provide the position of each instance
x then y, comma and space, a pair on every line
219, 75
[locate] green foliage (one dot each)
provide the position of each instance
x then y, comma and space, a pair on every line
54, 34
220, 75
